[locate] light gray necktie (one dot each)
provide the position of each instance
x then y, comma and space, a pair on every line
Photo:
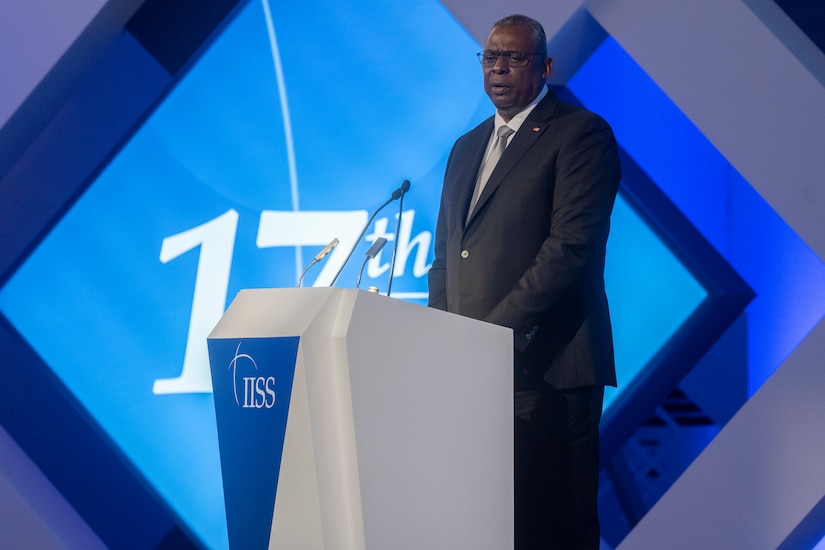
502, 134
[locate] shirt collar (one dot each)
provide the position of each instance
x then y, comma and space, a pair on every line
517, 120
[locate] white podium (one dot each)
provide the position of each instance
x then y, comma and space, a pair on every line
349, 420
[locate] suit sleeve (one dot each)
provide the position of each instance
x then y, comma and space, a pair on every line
437, 276
587, 175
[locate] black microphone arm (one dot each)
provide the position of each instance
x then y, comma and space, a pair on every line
318, 257
405, 187
397, 194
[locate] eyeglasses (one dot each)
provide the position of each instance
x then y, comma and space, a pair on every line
488, 58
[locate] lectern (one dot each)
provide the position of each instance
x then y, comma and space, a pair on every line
350, 420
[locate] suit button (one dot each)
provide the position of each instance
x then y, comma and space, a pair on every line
465, 254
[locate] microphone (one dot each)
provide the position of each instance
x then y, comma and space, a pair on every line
401, 191
371, 253
318, 257
397, 194
404, 188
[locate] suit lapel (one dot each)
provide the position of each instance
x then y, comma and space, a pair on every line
533, 127
468, 183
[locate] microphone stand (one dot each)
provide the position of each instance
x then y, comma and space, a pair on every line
397, 194
395, 244
318, 257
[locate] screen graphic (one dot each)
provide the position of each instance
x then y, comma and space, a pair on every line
298, 122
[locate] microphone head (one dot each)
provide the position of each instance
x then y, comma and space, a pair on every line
376, 247
326, 250
398, 193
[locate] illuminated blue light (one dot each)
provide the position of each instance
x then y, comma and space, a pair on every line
782, 270
650, 294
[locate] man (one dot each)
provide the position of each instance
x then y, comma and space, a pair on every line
527, 252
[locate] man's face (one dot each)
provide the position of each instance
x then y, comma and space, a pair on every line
511, 89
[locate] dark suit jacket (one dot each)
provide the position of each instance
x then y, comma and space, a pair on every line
532, 255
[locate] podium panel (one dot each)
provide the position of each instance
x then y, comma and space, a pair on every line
349, 420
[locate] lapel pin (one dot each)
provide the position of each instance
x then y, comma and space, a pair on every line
536, 128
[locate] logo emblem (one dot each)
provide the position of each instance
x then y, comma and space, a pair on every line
257, 392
